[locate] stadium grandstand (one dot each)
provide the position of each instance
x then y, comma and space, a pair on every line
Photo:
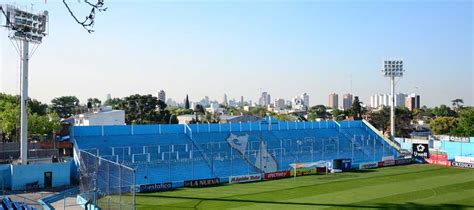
123, 160
8, 203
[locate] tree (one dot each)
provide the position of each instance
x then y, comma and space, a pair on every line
457, 104
88, 22
37, 107
259, 111
43, 124
443, 125
403, 118
140, 109
95, 102
9, 120
179, 111
161, 105
338, 114
318, 111
443, 111
186, 102
465, 126
356, 109
380, 119
113, 102
64, 106
199, 109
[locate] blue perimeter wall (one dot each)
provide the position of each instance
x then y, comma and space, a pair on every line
5, 176
17, 176
458, 148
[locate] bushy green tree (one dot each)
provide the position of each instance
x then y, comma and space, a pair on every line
318, 111
443, 125
64, 106
443, 111
465, 126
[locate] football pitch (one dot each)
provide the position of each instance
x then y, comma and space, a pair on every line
412, 186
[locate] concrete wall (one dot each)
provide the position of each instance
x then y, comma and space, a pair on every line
5, 176
23, 174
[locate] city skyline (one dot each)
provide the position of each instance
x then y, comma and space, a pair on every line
249, 48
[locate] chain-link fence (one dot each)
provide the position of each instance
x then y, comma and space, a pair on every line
105, 183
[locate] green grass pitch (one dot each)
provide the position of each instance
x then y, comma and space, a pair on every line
399, 187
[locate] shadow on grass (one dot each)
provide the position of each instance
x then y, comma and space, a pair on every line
368, 206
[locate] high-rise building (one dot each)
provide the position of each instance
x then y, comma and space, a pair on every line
333, 101
305, 98
242, 101
400, 99
224, 100
279, 104
347, 101
162, 95
109, 97
264, 99
412, 101
379, 100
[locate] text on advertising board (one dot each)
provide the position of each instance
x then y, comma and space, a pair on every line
420, 151
245, 178
155, 187
459, 139
202, 182
277, 175
463, 165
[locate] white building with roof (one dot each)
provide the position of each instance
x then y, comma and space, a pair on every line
101, 116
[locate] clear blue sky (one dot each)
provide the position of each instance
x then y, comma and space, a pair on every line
243, 47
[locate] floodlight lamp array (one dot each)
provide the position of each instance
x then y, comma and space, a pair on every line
393, 68
26, 25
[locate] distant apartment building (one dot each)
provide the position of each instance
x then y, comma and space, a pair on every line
412, 102
379, 100
224, 100
347, 101
333, 101
162, 95
279, 104
265, 99
305, 98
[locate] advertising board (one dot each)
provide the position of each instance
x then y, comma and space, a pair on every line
420, 150
464, 159
404, 161
202, 182
155, 187
463, 165
303, 171
368, 165
245, 178
277, 175
388, 161
459, 139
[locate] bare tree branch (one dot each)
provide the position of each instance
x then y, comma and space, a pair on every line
88, 23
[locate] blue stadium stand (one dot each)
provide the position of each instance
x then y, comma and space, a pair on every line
175, 153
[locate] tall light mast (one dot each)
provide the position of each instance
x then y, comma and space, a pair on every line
392, 69
25, 28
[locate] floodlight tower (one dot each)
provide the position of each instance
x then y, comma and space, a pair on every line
392, 69
25, 28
